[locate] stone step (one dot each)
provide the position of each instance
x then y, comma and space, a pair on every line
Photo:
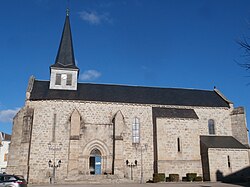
97, 179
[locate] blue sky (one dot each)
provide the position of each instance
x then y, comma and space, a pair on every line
162, 43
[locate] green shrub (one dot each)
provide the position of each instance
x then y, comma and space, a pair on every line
174, 177
184, 179
159, 177
191, 176
198, 179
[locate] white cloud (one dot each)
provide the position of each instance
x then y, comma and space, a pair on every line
90, 75
7, 115
94, 18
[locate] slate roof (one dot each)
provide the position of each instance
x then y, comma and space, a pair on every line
129, 94
5, 137
174, 113
221, 142
65, 55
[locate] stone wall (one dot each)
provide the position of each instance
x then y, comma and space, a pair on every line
69, 130
185, 160
218, 162
220, 117
239, 126
96, 131
18, 157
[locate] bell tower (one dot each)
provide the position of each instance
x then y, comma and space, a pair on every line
64, 72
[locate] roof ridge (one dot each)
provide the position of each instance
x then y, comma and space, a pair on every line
138, 86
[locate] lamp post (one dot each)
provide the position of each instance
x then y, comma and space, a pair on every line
131, 165
143, 147
53, 164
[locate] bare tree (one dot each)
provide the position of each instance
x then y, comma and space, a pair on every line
245, 45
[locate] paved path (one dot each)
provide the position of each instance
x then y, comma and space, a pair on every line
195, 184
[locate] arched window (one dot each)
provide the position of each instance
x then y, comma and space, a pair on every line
136, 131
211, 129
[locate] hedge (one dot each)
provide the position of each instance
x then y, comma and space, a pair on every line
174, 177
159, 177
191, 176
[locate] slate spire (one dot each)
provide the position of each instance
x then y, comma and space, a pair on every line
65, 55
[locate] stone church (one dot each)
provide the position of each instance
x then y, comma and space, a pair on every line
71, 131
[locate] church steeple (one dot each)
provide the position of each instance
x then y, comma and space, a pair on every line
64, 72
65, 55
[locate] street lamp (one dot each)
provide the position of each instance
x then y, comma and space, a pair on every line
143, 147
131, 165
53, 164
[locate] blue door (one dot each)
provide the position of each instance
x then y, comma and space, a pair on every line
98, 165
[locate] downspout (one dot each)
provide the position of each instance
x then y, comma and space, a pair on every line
113, 159
155, 142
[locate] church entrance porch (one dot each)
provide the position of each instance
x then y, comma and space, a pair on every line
95, 159
95, 162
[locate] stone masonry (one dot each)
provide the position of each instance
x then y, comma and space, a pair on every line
187, 159
239, 129
223, 162
96, 131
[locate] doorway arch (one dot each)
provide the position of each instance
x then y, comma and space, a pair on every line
95, 162
103, 151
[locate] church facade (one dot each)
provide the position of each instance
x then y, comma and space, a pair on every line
70, 131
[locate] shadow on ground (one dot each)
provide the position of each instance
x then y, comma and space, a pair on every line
241, 177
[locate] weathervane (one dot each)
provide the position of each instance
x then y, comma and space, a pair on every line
67, 11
